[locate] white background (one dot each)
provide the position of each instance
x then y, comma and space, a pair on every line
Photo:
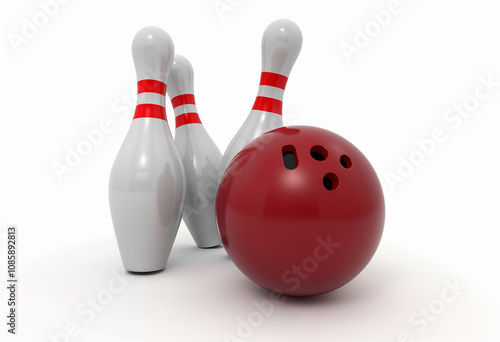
442, 218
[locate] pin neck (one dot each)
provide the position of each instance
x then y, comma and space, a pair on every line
151, 86
181, 102
273, 80
151, 100
185, 110
271, 91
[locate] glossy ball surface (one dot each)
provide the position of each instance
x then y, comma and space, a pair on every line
300, 211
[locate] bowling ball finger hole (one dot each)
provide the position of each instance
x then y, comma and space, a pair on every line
330, 181
345, 161
319, 152
290, 160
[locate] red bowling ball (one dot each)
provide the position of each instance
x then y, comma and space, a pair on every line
300, 211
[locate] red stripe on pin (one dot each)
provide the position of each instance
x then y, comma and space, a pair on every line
267, 104
183, 99
273, 80
149, 110
151, 86
186, 119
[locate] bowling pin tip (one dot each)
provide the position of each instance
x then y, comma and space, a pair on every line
285, 26
283, 33
281, 45
153, 53
151, 34
180, 59
181, 77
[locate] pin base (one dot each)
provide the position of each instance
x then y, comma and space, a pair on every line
211, 247
145, 272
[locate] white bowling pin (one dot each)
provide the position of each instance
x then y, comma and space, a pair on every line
147, 182
199, 154
281, 44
